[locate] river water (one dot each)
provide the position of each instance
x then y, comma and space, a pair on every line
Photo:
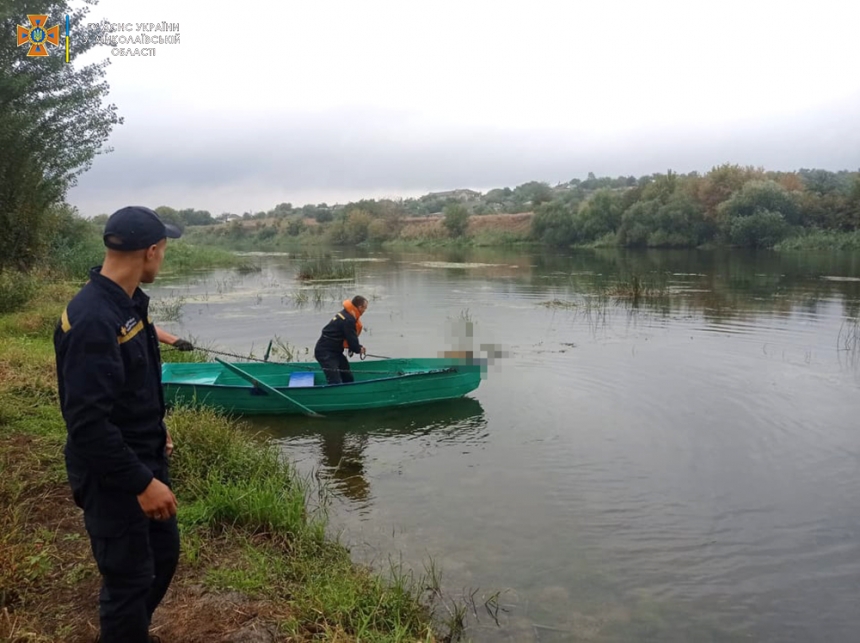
681, 466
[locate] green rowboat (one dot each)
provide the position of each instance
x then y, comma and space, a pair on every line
300, 387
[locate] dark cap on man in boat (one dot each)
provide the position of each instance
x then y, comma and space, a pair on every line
135, 227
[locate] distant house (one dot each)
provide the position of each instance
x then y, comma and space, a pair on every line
462, 194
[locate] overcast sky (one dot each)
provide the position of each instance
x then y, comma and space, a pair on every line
264, 102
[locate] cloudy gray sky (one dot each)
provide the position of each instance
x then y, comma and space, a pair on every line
312, 101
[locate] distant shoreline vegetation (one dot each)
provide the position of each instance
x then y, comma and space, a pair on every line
729, 206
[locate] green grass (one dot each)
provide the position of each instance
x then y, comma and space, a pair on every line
229, 480
182, 256
234, 487
250, 239
73, 260
249, 268
822, 240
167, 309
559, 304
16, 289
428, 242
299, 297
323, 268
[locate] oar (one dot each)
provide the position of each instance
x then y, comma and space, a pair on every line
266, 387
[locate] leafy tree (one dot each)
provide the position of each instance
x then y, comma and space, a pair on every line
265, 233
791, 181
590, 183
53, 122
553, 224
295, 226
631, 196
762, 195
533, 192
322, 213
662, 187
170, 215
600, 215
638, 222
235, 230
853, 205
821, 181
379, 230
357, 224
190, 216
282, 210
456, 220
499, 195
391, 210
762, 229
721, 182
75, 244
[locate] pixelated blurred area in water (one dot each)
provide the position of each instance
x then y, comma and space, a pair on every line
460, 340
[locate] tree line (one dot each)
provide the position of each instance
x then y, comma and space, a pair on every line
729, 205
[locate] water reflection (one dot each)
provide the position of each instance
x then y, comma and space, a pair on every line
718, 284
341, 441
848, 343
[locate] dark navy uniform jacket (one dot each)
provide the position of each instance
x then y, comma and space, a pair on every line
109, 377
341, 328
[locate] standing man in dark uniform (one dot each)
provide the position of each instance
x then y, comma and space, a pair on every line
339, 334
109, 377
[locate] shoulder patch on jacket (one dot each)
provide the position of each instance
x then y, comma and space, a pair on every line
129, 329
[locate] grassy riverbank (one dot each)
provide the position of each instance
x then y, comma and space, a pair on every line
75, 259
822, 240
255, 555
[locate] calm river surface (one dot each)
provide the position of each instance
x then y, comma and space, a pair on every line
681, 468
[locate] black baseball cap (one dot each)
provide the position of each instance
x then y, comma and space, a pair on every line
136, 227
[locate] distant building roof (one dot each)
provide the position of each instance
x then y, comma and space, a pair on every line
459, 193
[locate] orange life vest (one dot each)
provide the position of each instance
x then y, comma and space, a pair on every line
352, 310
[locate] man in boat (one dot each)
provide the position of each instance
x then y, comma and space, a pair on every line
340, 334
117, 445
